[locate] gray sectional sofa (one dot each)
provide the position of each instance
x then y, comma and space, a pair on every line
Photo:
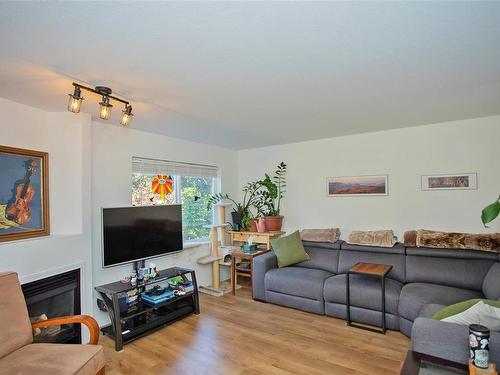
421, 282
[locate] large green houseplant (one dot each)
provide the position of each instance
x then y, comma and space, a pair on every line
490, 212
269, 198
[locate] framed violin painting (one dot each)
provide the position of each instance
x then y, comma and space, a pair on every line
24, 194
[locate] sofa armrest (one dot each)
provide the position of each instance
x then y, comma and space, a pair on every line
491, 283
448, 340
262, 264
83, 319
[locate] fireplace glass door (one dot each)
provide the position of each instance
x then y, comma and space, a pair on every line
53, 297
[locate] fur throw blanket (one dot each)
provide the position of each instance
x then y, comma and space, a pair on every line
382, 238
320, 235
451, 240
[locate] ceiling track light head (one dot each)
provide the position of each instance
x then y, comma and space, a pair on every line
105, 101
75, 100
127, 115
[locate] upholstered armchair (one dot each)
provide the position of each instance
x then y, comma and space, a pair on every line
20, 356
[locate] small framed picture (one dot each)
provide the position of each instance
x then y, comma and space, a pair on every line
24, 194
456, 181
357, 186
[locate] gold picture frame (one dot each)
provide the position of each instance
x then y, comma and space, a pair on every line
24, 194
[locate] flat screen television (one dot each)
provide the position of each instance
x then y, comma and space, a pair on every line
135, 233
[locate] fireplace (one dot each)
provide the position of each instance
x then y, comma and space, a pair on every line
52, 297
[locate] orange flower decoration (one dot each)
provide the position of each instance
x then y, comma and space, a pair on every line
162, 185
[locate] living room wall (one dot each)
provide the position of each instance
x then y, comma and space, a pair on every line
65, 137
90, 168
404, 155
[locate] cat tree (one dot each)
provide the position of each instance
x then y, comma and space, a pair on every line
218, 251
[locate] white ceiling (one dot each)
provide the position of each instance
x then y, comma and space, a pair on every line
244, 75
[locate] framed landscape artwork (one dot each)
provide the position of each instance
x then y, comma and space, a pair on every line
24, 194
357, 186
458, 181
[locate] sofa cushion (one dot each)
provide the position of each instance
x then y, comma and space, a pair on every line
289, 250
54, 359
321, 258
297, 281
491, 283
362, 315
300, 303
428, 311
415, 296
466, 273
365, 292
15, 324
451, 253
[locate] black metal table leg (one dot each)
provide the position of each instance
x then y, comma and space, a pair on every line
383, 304
114, 316
117, 323
195, 293
348, 300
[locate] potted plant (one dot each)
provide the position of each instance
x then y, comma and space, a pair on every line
270, 197
241, 213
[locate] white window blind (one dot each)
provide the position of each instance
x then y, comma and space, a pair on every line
154, 166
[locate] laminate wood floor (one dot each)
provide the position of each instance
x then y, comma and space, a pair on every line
236, 335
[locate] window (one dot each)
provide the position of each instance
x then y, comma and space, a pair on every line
192, 183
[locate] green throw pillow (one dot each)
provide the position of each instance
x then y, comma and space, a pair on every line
289, 250
457, 308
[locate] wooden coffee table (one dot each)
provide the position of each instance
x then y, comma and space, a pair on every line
367, 269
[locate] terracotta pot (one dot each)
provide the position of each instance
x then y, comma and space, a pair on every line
274, 223
261, 225
252, 226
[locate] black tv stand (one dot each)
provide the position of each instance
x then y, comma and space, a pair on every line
128, 326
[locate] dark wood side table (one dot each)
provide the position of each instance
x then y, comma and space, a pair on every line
235, 271
417, 363
367, 269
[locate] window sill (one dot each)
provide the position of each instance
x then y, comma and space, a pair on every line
190, 245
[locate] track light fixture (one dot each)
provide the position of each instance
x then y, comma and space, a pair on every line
75, 103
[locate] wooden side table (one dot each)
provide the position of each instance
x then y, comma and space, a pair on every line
491, 370
257, 237
367, 269
235, 272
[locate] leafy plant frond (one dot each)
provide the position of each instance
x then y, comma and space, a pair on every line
490, 212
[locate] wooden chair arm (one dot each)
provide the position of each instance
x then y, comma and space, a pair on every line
84, 319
